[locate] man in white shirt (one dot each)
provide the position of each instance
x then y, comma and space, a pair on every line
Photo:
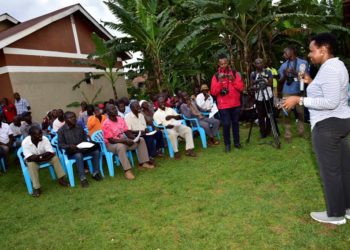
171, 120
136, 123
59, 121
6, 139
121, 109
16, 130
204, 100
37, 149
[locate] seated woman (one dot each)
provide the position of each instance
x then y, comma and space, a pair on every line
210, 125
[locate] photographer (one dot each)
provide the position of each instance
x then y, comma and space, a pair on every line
261, 81
290, 73
227, 86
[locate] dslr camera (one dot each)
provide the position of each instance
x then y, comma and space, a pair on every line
224, 91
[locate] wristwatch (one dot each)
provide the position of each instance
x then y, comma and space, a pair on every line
301, 101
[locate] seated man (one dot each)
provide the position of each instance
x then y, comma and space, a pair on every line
210, 125
69, 136
119, 139
204, 100
6, 140
37, 149
27, 123
170, 119
59, 121
95, 121
121, 109
136, 123
16, 130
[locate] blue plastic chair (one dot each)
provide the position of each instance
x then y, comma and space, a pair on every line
2, 164
68, 163
98, 137
150, 129
195, 126
166, 135
26, 173
54, 143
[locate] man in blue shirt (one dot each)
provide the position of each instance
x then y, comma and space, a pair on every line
290, 73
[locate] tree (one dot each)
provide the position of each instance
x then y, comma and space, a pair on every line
151, 31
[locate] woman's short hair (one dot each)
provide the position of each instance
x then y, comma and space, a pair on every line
326, 39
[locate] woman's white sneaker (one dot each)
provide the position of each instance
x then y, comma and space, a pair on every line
324, 218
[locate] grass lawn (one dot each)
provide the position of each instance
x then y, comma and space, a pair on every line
254, 198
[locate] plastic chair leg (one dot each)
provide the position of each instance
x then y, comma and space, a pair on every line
109, 159
28, 181
52, 173
91, 169
203, 137
170, 148
101, 167
70, 175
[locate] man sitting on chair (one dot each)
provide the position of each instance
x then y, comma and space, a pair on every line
69, 136
119, 139
170, 119
210, 125
37, 149
137, 123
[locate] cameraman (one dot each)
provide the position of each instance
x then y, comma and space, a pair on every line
227, 86
290, 73
261, 81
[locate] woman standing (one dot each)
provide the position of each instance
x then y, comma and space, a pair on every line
330, 124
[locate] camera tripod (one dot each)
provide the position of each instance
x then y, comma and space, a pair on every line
268, 105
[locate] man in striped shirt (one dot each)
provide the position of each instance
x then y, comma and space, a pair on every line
22, 105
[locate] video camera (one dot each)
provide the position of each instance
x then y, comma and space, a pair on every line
260, 83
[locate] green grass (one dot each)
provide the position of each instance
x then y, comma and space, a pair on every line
255, 198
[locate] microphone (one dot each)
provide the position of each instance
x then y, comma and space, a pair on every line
302, 69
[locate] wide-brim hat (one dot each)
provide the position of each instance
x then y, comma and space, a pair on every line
204, 87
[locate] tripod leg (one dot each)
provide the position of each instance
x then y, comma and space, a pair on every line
250, 131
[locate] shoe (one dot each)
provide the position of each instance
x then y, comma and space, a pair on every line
36, 192
63, 182
238, 146
84, 183
97, 177
347, 214
227, 148
177, 156
129, 175
190, 153
324, 218
147, 165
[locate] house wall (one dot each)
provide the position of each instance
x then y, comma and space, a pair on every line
46, 91
57, 36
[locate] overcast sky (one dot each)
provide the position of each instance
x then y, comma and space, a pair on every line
24, 10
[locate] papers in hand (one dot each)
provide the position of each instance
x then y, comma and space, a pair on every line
137, 138
213, 111
151, 133
85, 144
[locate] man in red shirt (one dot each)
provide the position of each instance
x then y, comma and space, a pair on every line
9, 110
227, 86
